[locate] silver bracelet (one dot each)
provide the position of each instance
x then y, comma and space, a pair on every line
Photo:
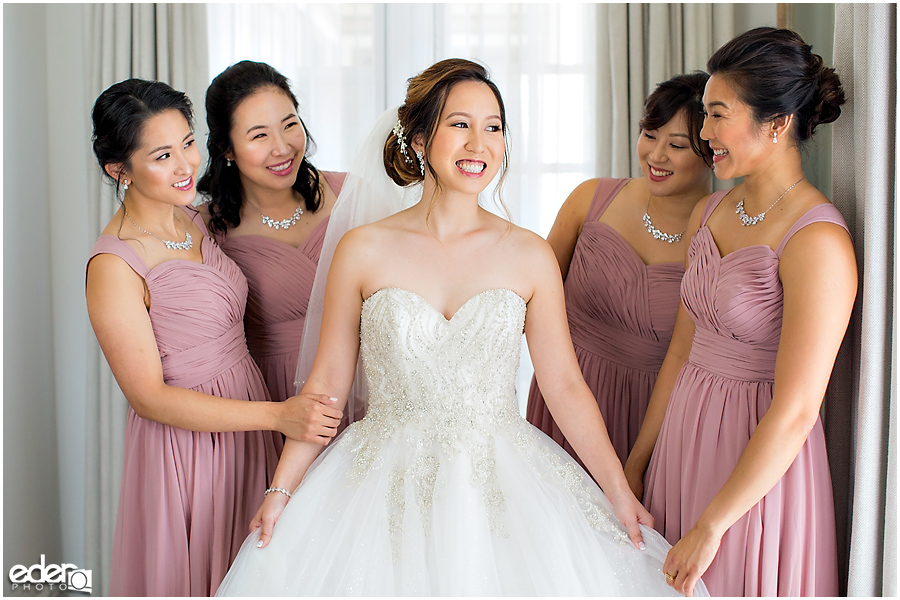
282, 490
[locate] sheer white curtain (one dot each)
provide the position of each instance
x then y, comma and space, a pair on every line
863, 392
166, 42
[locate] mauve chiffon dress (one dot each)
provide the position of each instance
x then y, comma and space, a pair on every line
280, 278
187, 497
621, 316
785, 545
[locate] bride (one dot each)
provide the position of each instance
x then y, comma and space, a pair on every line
443, 489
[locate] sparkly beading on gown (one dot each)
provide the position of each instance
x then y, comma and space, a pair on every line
785, 544
443, 489
621, 314
187, 496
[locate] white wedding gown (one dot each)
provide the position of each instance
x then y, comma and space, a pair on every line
443, 489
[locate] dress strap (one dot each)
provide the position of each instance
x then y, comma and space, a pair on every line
197, 218
607, 189
820, 213
110, 244
711, 203
335, 180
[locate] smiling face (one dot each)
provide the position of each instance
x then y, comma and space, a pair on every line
739, 144
669, 165
467, 148
267, 140
164, 166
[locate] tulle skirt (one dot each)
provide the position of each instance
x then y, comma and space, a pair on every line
508, 515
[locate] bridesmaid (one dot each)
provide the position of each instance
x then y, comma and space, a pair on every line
167, 307
739, 477
268, 210
620, 247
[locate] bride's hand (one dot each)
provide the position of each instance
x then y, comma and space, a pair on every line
631, 513
267, 515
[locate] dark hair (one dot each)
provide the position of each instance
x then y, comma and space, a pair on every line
426, 96
681, 92
775, 73
221, 183
120, 113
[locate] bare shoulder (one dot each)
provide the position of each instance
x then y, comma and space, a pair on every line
576, 206
532, 252
821, 250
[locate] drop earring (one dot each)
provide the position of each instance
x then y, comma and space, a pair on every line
421, 162
774, 137
227, 162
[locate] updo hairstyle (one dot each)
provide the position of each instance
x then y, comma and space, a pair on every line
221, 183
682, 92
775, 73
120, 114
426, 96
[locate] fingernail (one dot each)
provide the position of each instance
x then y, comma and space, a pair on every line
259, 544
642, 546
332, 398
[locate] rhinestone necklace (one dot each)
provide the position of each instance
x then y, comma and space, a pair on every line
656, 233
282, 224
187, 244
747, 220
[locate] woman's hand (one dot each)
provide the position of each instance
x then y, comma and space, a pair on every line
635, 478
689, 559
267, 515
632, 514
310, 418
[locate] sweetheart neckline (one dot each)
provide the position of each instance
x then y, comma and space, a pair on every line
432, 307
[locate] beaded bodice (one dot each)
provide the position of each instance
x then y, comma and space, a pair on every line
421, 367
440, 390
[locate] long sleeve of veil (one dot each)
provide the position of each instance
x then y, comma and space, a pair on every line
368, 195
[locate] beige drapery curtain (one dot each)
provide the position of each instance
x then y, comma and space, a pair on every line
166, 42
863, 393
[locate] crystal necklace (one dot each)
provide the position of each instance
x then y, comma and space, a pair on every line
656, 233
187, 244
284, 223
747, 220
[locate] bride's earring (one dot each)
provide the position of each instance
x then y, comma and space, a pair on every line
421, 162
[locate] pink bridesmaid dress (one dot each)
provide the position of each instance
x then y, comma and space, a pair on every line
621, 316
187, 497
280, 278
785, 545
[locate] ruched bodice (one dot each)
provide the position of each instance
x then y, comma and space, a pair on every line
619, 307
280, 278
621, 315
736, 303
196, 310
